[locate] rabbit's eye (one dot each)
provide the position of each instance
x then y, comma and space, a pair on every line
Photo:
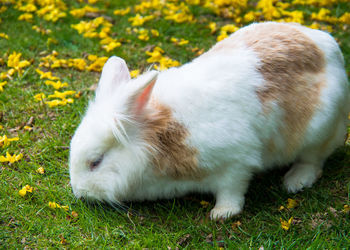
94, 164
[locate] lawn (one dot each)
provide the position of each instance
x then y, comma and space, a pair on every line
39, 112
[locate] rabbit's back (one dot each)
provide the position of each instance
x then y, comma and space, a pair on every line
263, 95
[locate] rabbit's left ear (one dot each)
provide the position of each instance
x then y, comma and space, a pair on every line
141, 94
114, 72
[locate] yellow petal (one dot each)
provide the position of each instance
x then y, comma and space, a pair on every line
40, 170
22, 192
286, 224
292, 203
53, 205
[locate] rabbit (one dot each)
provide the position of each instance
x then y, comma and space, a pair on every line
269, 95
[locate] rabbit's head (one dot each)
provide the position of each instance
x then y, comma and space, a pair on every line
107, 153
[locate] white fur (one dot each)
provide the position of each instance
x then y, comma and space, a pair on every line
215, 98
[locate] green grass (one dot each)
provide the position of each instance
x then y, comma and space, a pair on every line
182, 222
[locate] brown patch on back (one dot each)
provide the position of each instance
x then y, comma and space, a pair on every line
293, 69
173, 157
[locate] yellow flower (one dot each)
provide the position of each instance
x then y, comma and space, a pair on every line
229, 28
97, 65
46, 75
62, 95
2, 84
107, 40
78, 95
13, 59
296, 16
26, 189
111, 46
82, 26
143, 35
77, 63
177, 42
39, 97
27, 128
56, 85
345, 18
122, 12
286, 224
250, 16
3, 35
222, 36
23, 64
14, 62
268, 9
22, 192
212, 27
26, 17
134, 73
89, 29
324, 15
40, 170
198, 51
154, 32
65, 207
28, 8
57, 102
58, 63
292, 203
178, 13
155, 55
5, 141
139, 20
165, 63
10, 158
82, 11
54, 205
92, 57
224, 30
54, 15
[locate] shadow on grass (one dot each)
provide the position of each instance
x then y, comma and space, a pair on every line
265, 195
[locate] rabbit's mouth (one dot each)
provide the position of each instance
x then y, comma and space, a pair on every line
87, 197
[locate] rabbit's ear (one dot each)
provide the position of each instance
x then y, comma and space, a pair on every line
114, 72
142, 92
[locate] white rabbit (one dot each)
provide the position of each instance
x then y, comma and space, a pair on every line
269, 95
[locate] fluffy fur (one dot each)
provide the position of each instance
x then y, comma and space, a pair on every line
271, 94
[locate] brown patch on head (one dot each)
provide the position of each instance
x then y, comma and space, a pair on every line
172, 157
293, 69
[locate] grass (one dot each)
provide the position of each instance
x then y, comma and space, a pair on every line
28, 222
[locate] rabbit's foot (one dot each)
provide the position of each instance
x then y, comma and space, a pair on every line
301, 175
227, 205
224, 212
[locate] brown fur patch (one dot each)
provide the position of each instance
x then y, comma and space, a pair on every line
173, 156
293, 69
